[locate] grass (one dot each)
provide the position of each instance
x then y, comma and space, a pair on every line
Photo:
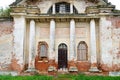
85, 77
36, 77
59, 77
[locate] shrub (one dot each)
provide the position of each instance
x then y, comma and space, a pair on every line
5, 12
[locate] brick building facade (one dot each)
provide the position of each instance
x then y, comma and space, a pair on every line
61, 35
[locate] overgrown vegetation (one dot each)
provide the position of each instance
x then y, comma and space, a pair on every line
5, 12
60, 77
85, 77
36, 77
116, 11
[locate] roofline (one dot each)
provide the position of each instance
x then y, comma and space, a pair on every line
18, 1
15, 3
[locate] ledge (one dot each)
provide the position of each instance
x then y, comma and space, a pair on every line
46, 61
51, 69
114, 73
6, 19
73, 69
82, 61
13, 73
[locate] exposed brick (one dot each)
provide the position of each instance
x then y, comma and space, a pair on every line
83, 66
6, 27
14, 64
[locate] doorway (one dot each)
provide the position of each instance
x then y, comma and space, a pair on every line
62, 56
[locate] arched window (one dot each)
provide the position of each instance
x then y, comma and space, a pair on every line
82, 51
62, 8
42, 50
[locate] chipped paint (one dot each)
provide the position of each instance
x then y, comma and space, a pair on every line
14, 64
6, 44
110, 48
18, 46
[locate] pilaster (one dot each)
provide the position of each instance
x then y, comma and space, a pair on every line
72, 54
52, 47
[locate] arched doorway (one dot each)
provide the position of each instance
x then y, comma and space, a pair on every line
62, 56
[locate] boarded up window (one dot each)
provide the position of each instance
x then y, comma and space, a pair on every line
82, 51
42, 50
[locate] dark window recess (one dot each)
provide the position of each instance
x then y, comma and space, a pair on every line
67, 7
62, 8
57, 8
50, 10
75, 10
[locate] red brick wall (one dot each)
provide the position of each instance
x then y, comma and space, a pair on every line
6, 27
6, 44
83, 66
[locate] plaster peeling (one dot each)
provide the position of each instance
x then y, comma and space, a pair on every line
7, 29
116, 40
106, 41
14, 64
6, 47
18, 34
110, 34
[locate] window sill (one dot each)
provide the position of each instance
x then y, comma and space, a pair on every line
46, 61
82, 61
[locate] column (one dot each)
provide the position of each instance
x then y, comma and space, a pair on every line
52, 67
52, 39
53, 9
93, 47
72, 56
19, 37
71, 8
31, 66
72, 40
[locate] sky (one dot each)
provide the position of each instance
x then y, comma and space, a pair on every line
5, 3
